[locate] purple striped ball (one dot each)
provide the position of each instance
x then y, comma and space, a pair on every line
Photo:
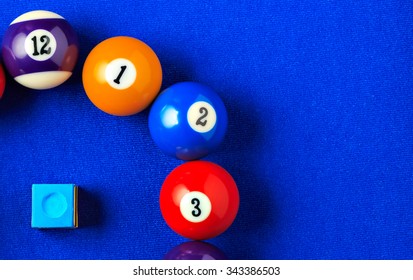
40, 49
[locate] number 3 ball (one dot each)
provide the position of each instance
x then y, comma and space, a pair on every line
188, 120
199, 200
40, 49
122, 75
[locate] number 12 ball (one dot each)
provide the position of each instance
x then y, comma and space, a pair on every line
199, 200
188, 120
40, 49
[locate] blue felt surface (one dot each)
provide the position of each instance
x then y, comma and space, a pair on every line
320, 139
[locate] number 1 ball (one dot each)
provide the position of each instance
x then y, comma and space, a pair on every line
199, 200
122, 75
40, 49
188, 120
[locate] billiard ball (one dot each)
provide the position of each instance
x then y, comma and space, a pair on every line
199, 200
40, 49
188, 120
2, 81
122, 75
195, 250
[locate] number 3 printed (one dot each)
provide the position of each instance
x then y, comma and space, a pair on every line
195, 206
197, 211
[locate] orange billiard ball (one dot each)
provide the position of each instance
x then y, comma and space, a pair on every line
122, 76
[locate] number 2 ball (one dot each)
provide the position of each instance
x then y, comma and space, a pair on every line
40, 49
188, 120
199, 200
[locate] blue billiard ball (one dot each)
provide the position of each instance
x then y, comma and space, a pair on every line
188, 120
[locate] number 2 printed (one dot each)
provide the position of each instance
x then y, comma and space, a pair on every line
201, 116
204, 112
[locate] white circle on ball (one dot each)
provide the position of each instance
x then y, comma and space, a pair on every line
40, 45
120, 73
195, 207
201, 116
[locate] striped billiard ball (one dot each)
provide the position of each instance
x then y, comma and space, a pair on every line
40, 49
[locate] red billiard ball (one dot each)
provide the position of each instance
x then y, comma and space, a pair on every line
199, 200
2, 81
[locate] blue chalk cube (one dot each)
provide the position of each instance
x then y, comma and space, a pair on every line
54, 206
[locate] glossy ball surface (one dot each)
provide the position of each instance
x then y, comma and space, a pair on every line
188, 120
195, 250
2, 81
122, 75
40, 49
199, 200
